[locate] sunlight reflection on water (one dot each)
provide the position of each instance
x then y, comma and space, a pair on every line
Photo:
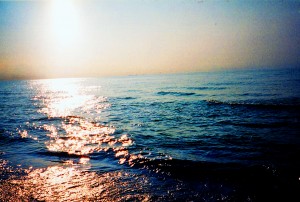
76, 135
70, 184
61, 97
81, 137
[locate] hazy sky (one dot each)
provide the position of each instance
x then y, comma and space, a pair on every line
63, 38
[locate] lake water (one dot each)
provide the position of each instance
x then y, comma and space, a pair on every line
213, 136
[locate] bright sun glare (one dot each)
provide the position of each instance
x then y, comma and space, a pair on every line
65, 24
65, 33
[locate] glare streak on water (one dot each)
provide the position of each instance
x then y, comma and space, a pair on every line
230, 135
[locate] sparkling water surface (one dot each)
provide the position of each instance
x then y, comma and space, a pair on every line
228, 135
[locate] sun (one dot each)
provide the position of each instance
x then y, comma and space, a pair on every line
65, 48
65, 23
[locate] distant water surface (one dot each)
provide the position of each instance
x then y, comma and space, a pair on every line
214, 136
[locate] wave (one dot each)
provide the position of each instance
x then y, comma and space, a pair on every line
257, 94
226, 83
175, 93
7, 137
47, 118
206, 88
257, 125
55, 118
62, 154
274, 105
128, 98
125, 98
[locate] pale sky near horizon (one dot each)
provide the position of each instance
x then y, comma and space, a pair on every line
65, 38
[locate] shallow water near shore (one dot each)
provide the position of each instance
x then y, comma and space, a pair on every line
213, 136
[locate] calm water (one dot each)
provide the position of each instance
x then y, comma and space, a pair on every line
231, 136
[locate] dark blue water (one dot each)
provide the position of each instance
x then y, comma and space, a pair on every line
229, 136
